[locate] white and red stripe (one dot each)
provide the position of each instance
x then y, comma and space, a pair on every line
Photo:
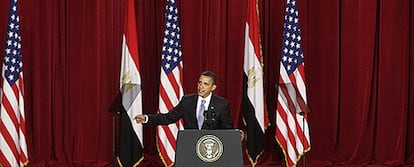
13, 148
12, 125
291, 133
171, 92
171, 79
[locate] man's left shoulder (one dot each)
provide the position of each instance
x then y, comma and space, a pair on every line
220, 99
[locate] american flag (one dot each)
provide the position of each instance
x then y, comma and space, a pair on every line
292, 132
12, 125
254, 104
131, 133
171, 89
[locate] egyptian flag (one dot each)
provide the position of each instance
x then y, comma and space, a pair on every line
131, 135
254, 105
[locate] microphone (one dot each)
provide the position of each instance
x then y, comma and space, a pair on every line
209, 117
213, 114
205, 115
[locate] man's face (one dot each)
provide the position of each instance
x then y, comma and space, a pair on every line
205, 86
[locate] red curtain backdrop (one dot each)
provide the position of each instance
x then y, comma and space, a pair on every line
358, 59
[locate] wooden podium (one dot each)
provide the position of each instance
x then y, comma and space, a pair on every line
218, 148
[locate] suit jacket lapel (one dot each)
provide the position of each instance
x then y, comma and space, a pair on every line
213, 102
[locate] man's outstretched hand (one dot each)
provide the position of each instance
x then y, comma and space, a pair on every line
241, 134
140, 118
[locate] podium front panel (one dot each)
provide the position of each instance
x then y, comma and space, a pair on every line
218, 148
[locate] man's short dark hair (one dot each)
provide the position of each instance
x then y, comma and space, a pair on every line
211, 75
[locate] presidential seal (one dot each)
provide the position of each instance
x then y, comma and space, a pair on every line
209, 148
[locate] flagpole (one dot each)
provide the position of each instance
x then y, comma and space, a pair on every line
113, 137
304, 153
303, 149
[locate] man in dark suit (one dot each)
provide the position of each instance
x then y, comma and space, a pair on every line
203, 110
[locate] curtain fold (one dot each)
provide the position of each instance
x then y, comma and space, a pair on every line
358, 77
393, 85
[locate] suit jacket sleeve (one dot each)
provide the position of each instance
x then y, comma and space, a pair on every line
164, 119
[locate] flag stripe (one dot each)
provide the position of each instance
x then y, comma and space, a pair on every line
165, 98
9, 132
130, 34
11, 143
162, 149
174, 85
23, 146
3, 159
10, 117
169, 135
287, 135
292, 132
